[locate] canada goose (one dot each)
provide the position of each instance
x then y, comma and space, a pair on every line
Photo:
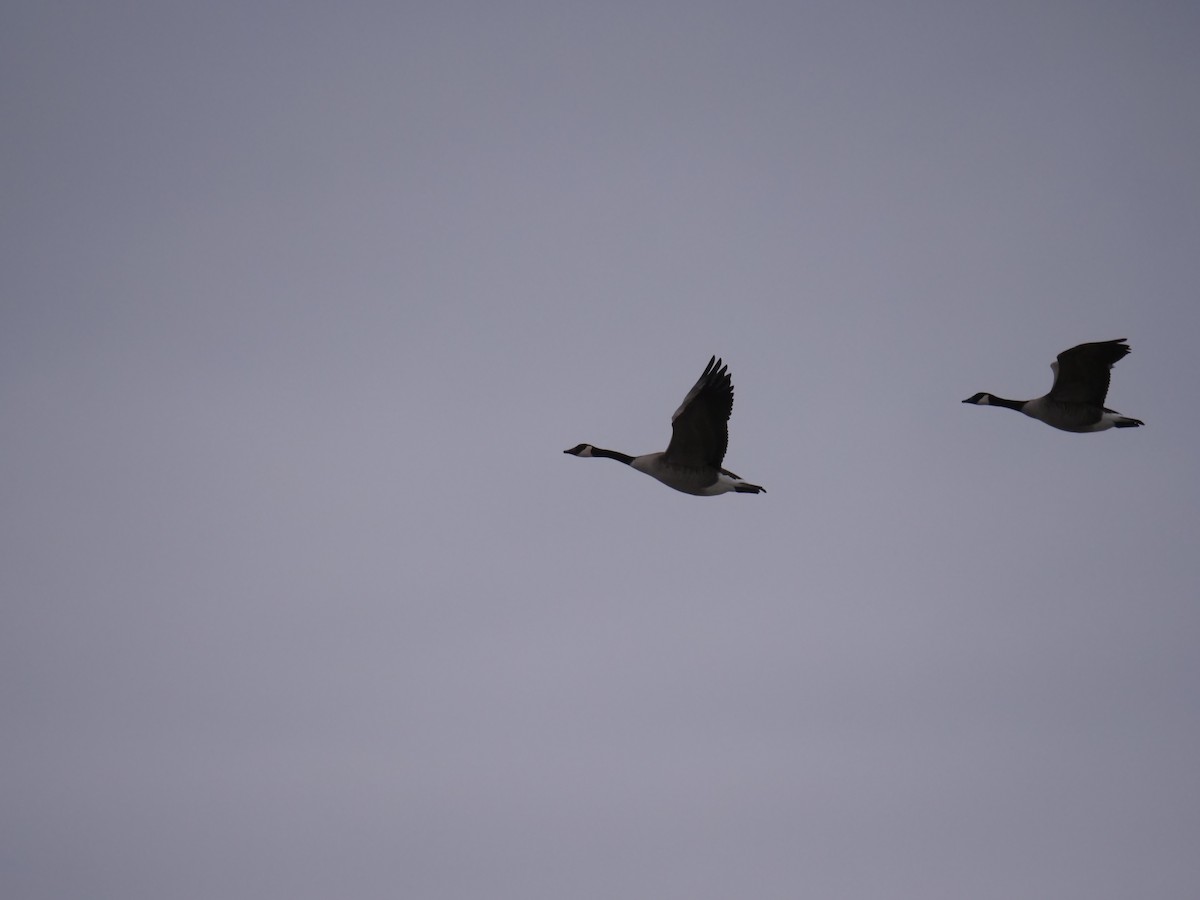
699, 435
1076, 401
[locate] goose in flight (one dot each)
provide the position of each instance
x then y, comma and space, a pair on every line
1076, 401
699, 435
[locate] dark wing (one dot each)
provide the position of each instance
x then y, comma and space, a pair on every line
1081, 373
700, 427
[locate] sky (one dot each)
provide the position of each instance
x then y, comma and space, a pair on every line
301, 303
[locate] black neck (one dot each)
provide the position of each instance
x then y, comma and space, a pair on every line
612, 454
1007, 404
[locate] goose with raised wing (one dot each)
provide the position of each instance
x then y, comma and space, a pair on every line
1076, 401
699, 436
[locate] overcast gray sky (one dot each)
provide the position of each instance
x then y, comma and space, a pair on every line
302, 303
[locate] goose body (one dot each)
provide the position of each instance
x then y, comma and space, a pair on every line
1076, 400
699, 437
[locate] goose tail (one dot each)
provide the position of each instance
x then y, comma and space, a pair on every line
744, 487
